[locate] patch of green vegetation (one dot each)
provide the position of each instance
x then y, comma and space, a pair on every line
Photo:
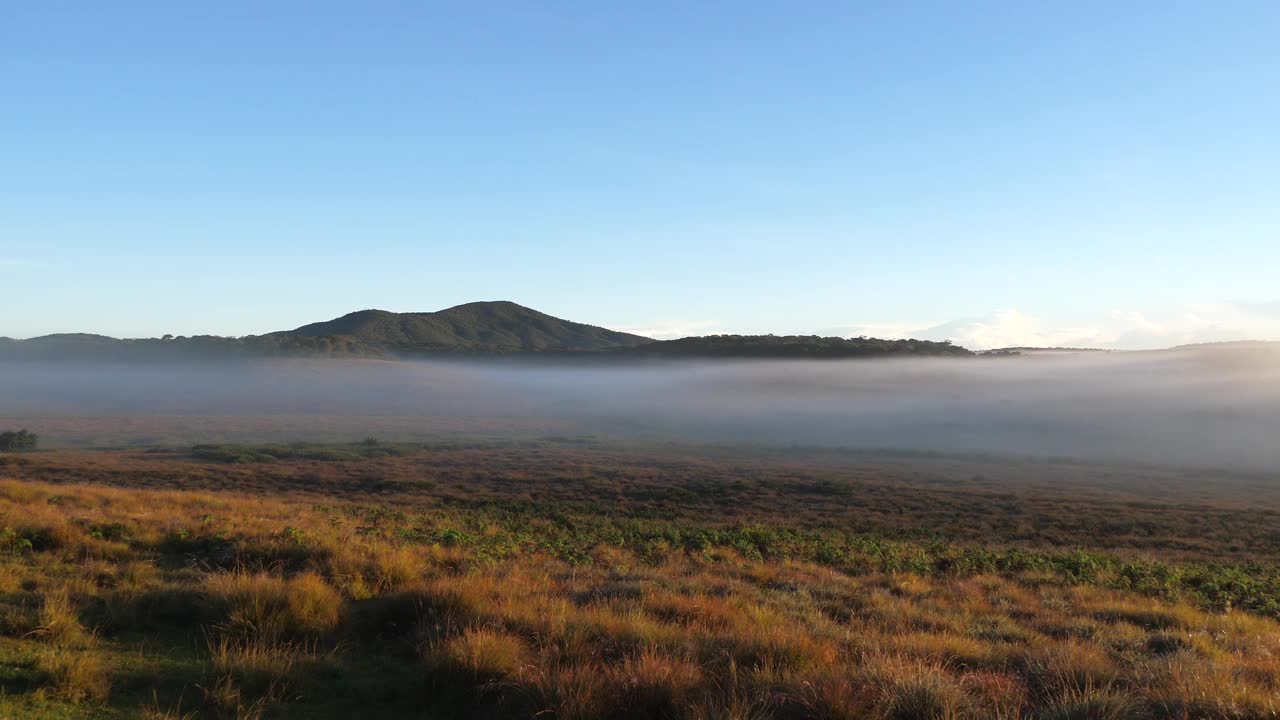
18, 441
365, 450
499, 531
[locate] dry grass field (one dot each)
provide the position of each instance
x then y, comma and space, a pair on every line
571, 578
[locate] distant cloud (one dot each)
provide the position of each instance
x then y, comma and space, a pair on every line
1009, 328
673, 329
1120, 329
877, 330
1004, 328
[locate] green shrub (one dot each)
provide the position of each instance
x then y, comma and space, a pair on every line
18, 441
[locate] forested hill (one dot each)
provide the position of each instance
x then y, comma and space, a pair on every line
479, 327
792, 346
474, 330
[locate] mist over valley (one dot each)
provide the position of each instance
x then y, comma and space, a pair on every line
1206, 406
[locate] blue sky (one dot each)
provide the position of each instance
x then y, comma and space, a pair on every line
995, 173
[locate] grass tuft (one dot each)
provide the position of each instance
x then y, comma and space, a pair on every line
76, 675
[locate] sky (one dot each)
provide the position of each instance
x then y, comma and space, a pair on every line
994, 173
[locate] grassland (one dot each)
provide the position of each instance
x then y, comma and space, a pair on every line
572, 578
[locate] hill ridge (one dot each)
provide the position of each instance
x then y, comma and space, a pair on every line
493, 328
496, 326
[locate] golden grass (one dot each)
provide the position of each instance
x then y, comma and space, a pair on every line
483, 653
75, 675
292, 598
59, 621
267, 605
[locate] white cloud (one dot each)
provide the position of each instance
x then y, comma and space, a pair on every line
1139, 321
1010, 328
1120, 329
1004, 328
673, 329
876, 330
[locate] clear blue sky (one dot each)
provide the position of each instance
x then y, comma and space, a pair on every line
1094, 171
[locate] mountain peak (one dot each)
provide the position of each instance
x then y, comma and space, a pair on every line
488, 326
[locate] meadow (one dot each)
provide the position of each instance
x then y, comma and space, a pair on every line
573, 577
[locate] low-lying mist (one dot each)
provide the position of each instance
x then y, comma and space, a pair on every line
1205, 407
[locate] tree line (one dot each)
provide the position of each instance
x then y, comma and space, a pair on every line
19, 440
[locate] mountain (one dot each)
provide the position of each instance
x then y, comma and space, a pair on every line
478, 327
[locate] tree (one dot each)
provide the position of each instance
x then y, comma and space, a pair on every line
18, 441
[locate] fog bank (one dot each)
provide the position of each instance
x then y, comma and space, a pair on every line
1206, 407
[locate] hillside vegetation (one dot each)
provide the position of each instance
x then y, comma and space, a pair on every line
491, 327
793, 346
481, 329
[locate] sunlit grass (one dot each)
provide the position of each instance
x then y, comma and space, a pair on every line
161, 603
